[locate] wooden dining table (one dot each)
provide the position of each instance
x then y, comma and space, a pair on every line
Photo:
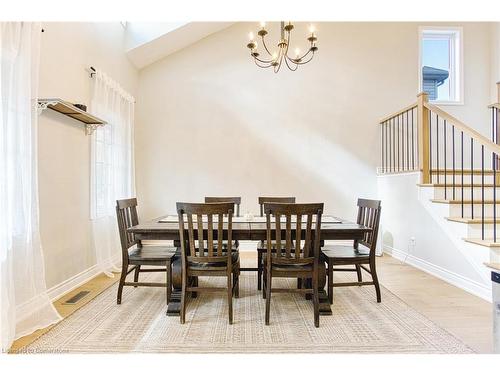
249, 228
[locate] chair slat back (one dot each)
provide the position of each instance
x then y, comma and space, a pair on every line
369, 215
126, 215
200, 230
263, 200
292, 216
235, 200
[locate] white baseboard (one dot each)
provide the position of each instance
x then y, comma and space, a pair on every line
452, 278
59, 290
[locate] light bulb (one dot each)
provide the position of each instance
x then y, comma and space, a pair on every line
262, 24
250, 36
275, 55
297, 52
312, 29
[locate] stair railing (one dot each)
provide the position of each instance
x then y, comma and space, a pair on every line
448, 153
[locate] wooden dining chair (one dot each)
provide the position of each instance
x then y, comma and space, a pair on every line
235, 200
237, 203
339, 255
136, 255
214, 259
299, 261
262, 246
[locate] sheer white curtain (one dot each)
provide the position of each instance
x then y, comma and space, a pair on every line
25, 305
112, 166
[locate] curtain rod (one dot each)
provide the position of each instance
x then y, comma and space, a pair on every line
91, 70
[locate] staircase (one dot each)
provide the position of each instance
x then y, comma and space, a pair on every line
459, 168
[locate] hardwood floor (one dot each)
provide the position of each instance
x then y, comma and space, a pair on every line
467, 317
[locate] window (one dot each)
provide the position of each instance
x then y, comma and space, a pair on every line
440, 70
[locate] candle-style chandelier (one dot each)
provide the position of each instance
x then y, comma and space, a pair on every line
278, 57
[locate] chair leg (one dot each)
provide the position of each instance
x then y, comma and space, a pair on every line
169, 281
373, 271
268, 297
358, 271
299, 283
195, 284
330, 282
136, 274
316, 301
259, 270
183, 299
236, 283
308, 283
123, 276
230, 298
264, 283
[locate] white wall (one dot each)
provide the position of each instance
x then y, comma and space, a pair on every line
209, 122
64, 149
495, 61
415, 230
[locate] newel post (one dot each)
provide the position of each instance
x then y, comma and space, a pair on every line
423, 137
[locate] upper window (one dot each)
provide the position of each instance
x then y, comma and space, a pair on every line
440, 72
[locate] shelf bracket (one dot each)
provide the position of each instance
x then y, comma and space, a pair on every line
90, 128
41, 106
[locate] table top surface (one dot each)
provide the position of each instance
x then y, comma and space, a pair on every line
168, 223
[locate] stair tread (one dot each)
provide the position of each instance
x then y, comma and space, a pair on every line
495, 266
488, 242
468, 220
466, 201
450, 185
459, 171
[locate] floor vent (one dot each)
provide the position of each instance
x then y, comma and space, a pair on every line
77, 297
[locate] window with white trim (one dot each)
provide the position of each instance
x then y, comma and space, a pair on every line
441, 64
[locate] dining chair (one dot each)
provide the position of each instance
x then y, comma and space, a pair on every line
341, 255
237, 203
262, 246
298, 261
214, 259
235, 200
136, 255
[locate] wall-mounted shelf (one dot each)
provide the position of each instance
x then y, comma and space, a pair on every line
91, 122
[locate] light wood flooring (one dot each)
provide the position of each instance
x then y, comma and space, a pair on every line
464, 315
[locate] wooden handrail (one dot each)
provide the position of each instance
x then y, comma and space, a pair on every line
494, 105
405, 109
466, 129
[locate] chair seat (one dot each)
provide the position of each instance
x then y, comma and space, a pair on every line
152, 253
235, 259
342, 252
290, 267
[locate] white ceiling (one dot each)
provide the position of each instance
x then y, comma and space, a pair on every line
150, 42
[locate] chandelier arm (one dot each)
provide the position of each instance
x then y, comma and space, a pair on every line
304, 55
305, 62
265, 46
263, 61
288, 65
278, 67
262, 66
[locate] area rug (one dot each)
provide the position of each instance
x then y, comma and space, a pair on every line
139, 324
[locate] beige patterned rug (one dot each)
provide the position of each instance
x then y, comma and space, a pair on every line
358, 325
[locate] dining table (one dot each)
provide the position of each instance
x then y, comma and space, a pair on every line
244, 228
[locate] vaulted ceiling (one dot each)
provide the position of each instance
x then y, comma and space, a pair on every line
150, 42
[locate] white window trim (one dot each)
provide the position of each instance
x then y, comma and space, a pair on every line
459, 61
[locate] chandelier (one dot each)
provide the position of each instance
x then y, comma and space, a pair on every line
276, 58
